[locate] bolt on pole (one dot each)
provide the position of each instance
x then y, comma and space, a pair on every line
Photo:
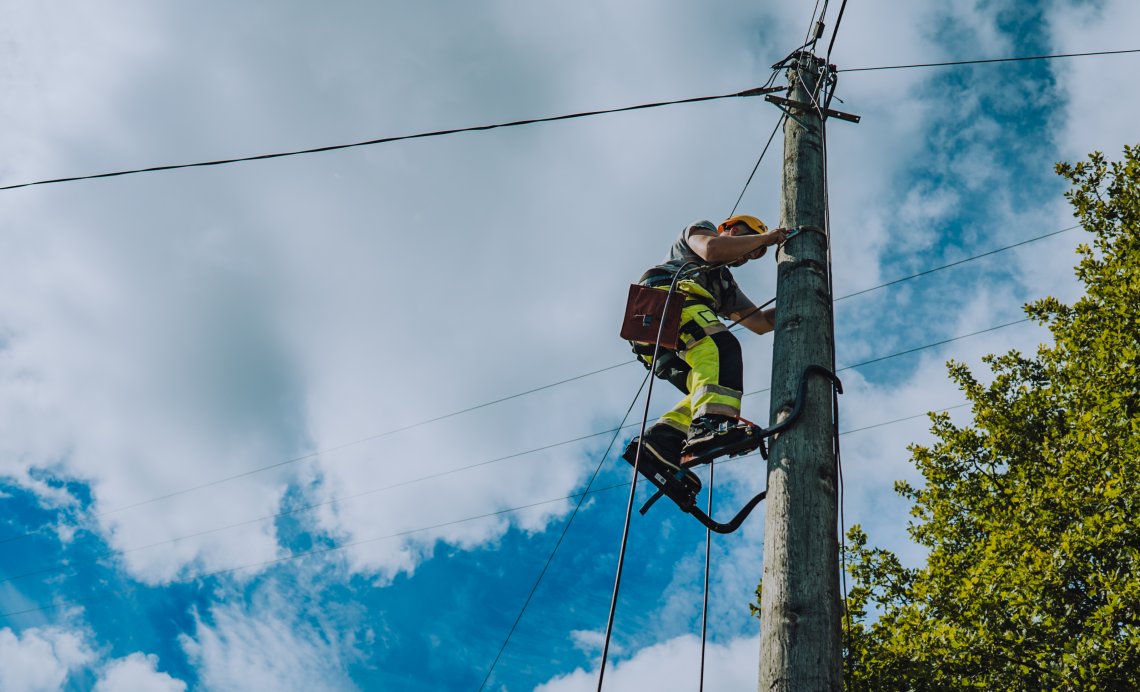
800, 635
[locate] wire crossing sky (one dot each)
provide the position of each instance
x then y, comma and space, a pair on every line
277, 427
578, 496
517, 123
476, 407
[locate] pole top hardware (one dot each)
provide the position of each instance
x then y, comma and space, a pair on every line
789, 103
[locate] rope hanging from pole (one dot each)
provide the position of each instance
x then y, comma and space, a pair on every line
633, 482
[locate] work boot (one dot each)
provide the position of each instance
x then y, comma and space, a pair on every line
712, 431
660, 464
663, 443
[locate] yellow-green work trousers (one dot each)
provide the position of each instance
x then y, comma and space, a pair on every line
712, 374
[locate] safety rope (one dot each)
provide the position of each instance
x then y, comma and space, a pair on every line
633, 489
708, 558
562, 536
633, 483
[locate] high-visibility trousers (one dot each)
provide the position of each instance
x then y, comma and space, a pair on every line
708, 368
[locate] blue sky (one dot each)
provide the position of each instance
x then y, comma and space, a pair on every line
162, 335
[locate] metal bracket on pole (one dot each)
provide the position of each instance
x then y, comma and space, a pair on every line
789, 103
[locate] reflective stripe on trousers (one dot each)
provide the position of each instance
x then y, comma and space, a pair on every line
715, 381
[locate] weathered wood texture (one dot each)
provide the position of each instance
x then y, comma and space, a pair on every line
800, 649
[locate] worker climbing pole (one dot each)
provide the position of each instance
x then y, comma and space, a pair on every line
672, 321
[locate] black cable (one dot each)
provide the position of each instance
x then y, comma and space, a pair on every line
461, 469
958, 262
565, 529
767, 84
516, 123
937, 343
708, 561
754, 168
900, 420
328, 450
809, 41
835, 32
343, 546
296, 556
633, 482
506, 398
336, 500
385, 140
989, 60
326, 503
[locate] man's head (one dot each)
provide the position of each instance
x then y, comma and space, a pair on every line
744, 225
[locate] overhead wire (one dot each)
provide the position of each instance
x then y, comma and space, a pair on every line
60, 567
407, 532
780, 121
708, 565
582, 495
672, 294
381, 140
984, 61
516, 123
835, 32
748, 182
562, 536
958, 262
427, 421
395, 139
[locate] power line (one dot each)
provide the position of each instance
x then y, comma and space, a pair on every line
336, 500
835, 32
407, 532
339, 447
530, 121
562, 536
936, 343
386, 140
345, 546
748, 182
476, 407
989, 60
956, 263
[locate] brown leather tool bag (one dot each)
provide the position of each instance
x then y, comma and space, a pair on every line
644, 312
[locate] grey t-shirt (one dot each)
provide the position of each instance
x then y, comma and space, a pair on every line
727, 297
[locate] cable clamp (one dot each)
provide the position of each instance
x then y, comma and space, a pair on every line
760, 91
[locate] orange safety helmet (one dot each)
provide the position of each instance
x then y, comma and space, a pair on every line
752, 222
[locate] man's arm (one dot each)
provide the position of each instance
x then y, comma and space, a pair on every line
760, 321
725, 248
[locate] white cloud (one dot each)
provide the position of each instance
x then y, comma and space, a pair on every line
592, 641
137, 672
672, 665
162, 332
1098, 107
41, 658
268, 645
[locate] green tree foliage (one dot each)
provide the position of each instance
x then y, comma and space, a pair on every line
1031, 514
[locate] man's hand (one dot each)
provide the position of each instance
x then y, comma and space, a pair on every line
777, 236
759, 321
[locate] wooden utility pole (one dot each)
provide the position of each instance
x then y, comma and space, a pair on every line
800, 647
